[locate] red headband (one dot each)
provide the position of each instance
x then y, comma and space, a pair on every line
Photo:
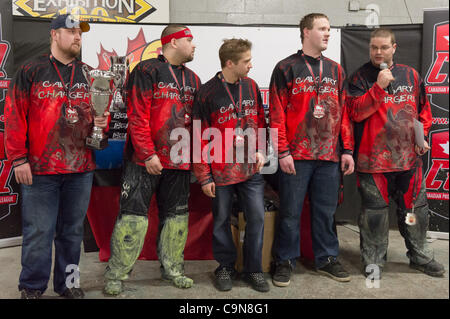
185, 33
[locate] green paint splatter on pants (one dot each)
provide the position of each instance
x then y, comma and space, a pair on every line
172, 240
127, 241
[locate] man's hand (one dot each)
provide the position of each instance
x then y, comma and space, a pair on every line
347, 164
287, 165
23, 174
422, 150
209, 189
153, 165
384, 78
260, 161
101, 121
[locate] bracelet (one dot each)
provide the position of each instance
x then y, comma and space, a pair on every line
14, 166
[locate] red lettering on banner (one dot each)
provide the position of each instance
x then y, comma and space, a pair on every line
3, 49
5, 173
440, 121
442, 38
437, 196
435, 76
436, 89
431, 182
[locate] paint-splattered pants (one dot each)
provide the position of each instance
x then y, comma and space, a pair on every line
172, 193
376, 190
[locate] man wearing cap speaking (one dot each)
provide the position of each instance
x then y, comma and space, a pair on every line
47, 119
161, 93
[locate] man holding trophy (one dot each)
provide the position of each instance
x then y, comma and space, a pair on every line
47, 119
160, 93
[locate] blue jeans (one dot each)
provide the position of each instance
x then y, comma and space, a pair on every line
250, 194
320, 179
53, 209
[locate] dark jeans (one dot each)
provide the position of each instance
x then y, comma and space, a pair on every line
250, 194
376, 192
320, 179
53, 209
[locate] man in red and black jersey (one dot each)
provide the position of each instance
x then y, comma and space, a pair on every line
47, 119
160, 96
385, 102
229, 108
314, 135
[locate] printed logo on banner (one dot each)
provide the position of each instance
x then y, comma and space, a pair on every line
131, 11
7, 198
5, 47
437, 75
436, 179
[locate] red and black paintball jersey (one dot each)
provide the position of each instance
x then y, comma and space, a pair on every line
35, 123
384, 129
155, 107
293, 99
218, 161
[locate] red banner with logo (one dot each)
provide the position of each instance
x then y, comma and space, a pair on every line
10, 221
435, 61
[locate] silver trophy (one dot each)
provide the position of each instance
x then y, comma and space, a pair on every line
100, 84
119, 66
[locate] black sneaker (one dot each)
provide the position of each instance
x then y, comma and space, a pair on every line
224, 278
257, 281
433, 268
334, 270
73, 293
30, 294
282, 274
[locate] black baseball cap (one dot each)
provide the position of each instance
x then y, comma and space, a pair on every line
69, 21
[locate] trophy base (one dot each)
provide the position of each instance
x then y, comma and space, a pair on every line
96, 144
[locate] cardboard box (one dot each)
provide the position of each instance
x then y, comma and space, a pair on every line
269, 231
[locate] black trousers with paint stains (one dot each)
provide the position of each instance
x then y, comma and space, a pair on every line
406, 188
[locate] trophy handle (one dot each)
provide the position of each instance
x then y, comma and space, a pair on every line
85, 70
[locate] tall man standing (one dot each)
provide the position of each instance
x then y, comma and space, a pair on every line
307, 106
47, 119
160, 96
230, 104
385, 104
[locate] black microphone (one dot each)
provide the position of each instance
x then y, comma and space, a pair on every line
384, 66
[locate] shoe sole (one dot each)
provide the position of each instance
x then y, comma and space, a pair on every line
429, 273
281, 283
344, 279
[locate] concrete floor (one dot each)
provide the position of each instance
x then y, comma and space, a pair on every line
399, 281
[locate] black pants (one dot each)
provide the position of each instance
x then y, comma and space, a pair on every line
376, 192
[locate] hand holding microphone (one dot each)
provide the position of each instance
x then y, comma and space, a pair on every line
385, 78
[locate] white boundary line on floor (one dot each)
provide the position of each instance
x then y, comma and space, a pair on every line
9, 242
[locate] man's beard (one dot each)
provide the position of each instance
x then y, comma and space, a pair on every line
189, 58
71, 52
